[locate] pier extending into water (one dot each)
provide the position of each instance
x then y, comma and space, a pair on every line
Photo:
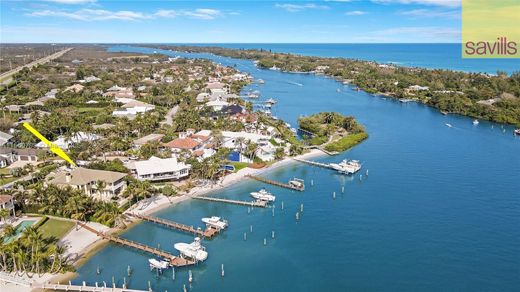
257, 203
173, 260
276, 183
314, 163
208, 233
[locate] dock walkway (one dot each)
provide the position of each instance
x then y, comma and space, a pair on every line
259, 204
174, 260
276, 183
208, 233
319, 164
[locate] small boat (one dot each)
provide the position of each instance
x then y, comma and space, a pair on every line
270, 101
157, 264
297, 183
346, 166
192, 250
294, 130
261, 81
444, 113
449, 125
475, 122
263, 195
338, 90
517, 132
216, 222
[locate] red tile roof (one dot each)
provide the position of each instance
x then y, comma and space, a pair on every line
182, 143
5, 198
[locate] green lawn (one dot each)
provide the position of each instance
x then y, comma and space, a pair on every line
239, 165
90, 109
6, 180
55, 228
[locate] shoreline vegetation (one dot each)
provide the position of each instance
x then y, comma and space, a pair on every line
332, 131
490, 97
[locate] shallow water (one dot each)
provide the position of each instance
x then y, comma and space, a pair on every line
438, 211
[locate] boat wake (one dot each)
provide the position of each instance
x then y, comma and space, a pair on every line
294, 83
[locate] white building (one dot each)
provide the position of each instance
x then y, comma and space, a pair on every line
155, 169
65, 143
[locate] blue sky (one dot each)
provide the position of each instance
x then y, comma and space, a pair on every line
340, 21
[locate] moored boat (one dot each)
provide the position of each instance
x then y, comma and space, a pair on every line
270, 101
192, 250
263, 195
346, 166
157, 264
297, 183
475, 122
215, 222
517, 132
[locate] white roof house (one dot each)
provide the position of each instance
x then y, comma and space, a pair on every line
230, 138
217, 105
155, 169
4, 138
65, 143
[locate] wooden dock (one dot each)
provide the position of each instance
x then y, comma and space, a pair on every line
174, 260
276, 183
258, 203
314, 163
208, 233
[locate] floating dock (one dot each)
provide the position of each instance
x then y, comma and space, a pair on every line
174, 260
276, 183
258, 203
208, 233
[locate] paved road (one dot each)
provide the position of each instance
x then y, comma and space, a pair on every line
170, 115
4, 77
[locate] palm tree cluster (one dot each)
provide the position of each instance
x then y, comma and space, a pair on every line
31, 253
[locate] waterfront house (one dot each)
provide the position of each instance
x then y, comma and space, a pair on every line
156, 169
100, 184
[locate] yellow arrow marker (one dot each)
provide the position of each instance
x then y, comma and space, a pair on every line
54, 148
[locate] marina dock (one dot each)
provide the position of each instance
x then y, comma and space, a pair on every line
314, 163
259, 204
276, 183
208, 233
174, 260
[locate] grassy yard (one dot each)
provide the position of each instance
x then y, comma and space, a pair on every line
6, 180
55, 228
239, 165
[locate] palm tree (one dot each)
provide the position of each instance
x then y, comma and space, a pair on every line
4, 214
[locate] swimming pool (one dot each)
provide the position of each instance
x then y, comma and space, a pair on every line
19, 229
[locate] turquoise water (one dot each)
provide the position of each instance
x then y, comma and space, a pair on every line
436, 56
19, 229
439, 211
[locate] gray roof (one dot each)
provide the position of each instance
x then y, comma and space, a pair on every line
4, 137
82, 176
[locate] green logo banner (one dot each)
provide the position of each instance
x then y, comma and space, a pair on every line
491, 28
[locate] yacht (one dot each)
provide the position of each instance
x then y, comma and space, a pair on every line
475, 122
263, 195
216, 222
192, 250
157, 264
347, 166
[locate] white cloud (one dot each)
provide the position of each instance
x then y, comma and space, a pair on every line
72, 1
100, 14
355, 12
419, 13
300, 7
444, 3
92, 14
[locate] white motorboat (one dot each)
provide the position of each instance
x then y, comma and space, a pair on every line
261, 81
448, 125
263, 195
192, 250
347, 166
475, 122
156, 264
216, 222
297, 182
517, 132
270, 101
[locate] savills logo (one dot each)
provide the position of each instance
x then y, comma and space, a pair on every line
490, 28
